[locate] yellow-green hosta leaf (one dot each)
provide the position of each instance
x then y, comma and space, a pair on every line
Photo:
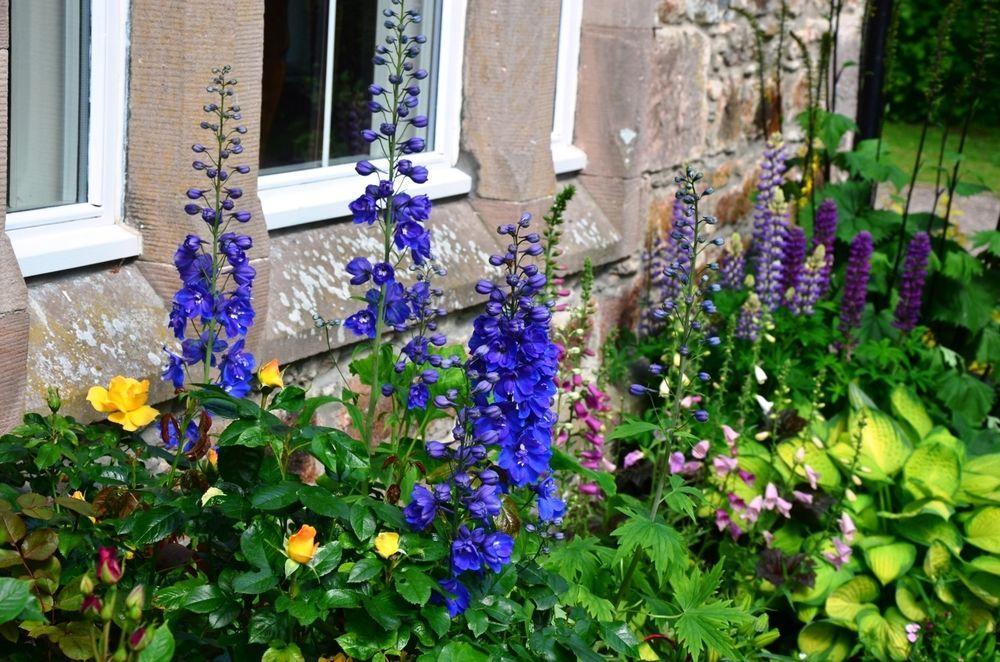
909, 603
807, 614
883, 451
990, 564
942, 435
981, 478
983, 529
847, 600
826, 579
883, 636
816, 458
979, 616
984, 586
926, 529
937, 560
824, 641
888, 562
906, 406
933, 470
932, 507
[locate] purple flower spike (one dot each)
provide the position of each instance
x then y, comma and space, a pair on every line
852, 305
825, 235
911, 286
794, 260
770, 221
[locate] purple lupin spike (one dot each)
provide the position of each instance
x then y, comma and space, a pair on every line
852, 305
911, 286
825, 235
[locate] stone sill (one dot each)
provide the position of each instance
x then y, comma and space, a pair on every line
91, 324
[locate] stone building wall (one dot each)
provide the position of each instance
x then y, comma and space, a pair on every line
661, 83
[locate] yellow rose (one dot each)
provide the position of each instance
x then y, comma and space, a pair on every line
78, 495
270, 374
302, 546
387, 543
124, 401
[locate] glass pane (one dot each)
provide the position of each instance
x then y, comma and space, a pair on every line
295, 33
311, 119
49, 103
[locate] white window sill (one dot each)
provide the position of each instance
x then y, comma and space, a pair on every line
289, 199
567, 158
68, 245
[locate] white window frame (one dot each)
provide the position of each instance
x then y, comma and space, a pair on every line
318, 194
68, 236
566, 157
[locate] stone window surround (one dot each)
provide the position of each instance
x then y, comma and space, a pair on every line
79, 328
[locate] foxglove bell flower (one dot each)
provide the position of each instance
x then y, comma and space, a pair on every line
911, 286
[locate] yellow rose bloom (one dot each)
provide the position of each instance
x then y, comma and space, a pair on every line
270, 375
387, 543
302, 545
124, 401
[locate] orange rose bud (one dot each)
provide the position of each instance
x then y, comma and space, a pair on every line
302, 545
270, 375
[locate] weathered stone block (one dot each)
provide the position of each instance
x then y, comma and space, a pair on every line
85, 329
510, 77
621, 202
13, 345
4, 25
620, 13
308, 275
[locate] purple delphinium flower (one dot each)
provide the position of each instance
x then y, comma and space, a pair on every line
216, 296
825, 235
770, 221
852, 305
793, 260
911, 286
669, 261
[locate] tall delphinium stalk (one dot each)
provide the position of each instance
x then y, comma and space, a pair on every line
911, 285
855, 295
687, 317
665, 258
825, 235
213, 310
506, 413
399, 217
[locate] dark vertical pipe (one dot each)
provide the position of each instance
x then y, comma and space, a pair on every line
871, 101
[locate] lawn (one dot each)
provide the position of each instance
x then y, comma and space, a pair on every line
982, 151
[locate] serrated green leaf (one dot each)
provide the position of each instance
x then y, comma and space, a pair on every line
414, 585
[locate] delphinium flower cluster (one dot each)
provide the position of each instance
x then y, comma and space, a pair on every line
686, 316
911, 286
212, 312
507, 414
855, 294
399, 216
665, 256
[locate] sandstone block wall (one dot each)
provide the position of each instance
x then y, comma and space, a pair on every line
661, 83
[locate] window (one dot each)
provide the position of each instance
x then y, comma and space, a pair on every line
565, 156
317, 68
65, 158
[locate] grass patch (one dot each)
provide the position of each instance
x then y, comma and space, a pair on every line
981, 160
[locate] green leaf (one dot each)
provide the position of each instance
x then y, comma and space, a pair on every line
962, 267
283, 653
704, 621
907, 406
662, 543
824, 641
364, 570
990, 239
983, 529
967, 395
600, 609
887, 562
161, 646
276, 496
437, 617
290, 399
204, 599
255, 582
362, 521
414, 585
40, 544
15, 595
327, 558
340, 598
264, 626
620, 639
933, 470
460, 651
323, 502
155, 524
36, 506
632, 429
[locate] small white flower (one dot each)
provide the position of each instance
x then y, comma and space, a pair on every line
759, 374
765, 405
800, 455
664, 389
